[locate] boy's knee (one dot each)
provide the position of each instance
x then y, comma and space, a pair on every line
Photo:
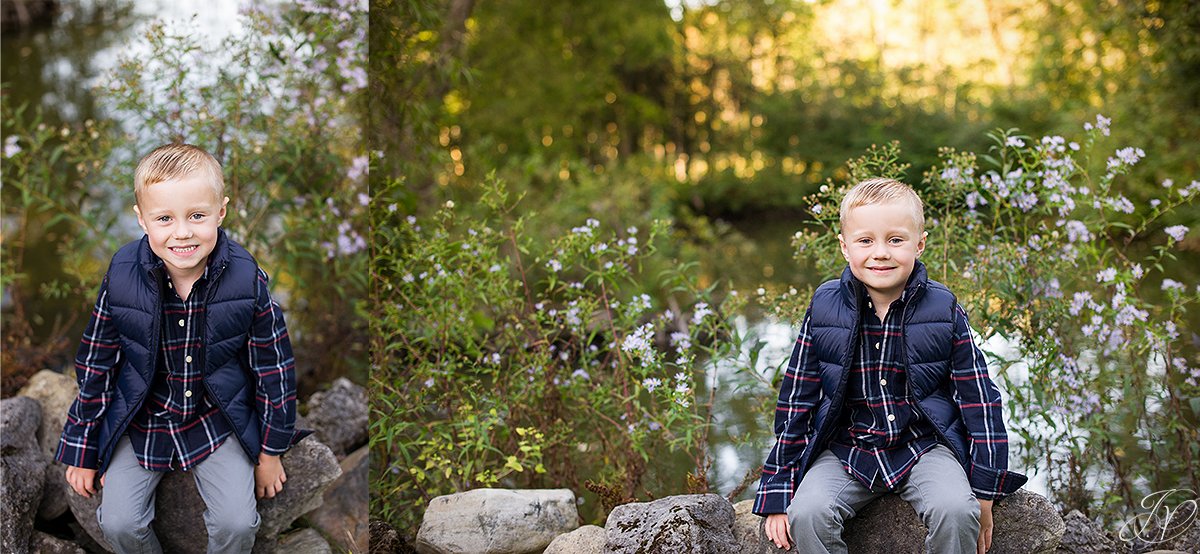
956, 512
123, 526
235, 525
813, 512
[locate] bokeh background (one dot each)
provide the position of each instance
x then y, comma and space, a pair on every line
724, 120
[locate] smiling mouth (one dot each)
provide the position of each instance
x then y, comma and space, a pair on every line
881, 269
183, 249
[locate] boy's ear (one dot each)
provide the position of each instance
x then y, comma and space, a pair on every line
921, 243
141, 222
842, 245
221, 215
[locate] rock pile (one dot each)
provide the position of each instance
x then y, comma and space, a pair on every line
35, 490
511, 522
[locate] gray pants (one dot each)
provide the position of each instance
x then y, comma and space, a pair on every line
226, 483
936, 487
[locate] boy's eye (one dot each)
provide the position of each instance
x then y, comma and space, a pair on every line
163, 218
897, 240
197, 217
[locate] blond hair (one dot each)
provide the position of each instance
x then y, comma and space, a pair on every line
882, 190
175, 160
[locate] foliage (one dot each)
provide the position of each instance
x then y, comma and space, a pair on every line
1064, 278
277, 104
504, 360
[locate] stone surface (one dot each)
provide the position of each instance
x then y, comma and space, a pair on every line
1026, 523
1084, 536
22, 471
497, 520
54, 492
304, 541
339, 416
343, 516
384, 538
179, 510
55, 392
589, 539
695, 523
48, 544
748, 531
887, 525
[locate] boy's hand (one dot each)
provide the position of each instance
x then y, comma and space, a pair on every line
779, 530
268, 476
82, 481
985, 526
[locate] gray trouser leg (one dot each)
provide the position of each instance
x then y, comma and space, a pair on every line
226, 482
127, 507
939, 491
827, 497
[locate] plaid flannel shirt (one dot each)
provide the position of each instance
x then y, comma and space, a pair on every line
179, 425
889, 448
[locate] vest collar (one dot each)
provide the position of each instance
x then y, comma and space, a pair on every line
852, 289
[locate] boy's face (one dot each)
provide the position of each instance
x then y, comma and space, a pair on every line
881, 242
181, 217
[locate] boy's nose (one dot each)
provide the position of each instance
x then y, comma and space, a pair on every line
182, 232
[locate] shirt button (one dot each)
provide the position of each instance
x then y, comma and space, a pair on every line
870, 305
882, 382
188, 394
891, 417
876, 344
181, 323
188, 359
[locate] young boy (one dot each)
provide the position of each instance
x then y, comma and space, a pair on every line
885, 391
185, 364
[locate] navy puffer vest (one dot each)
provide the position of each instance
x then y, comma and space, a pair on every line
135, 298
927, 335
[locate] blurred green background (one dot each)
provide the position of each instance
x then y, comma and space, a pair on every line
723, 116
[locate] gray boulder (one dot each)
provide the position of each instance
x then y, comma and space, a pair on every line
55, 392
748, 531
304, 541
496, 521
179, 509
22, 471
695, 523
886, 525
339, 416
1084, 536
343, 516
588, 539
1026, 522
49, 544
54, 492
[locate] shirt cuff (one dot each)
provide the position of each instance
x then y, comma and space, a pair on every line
77, 456
988, 483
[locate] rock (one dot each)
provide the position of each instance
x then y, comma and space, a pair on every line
1084, 536
304, 541
54, 492
588, 539
339, 416
695, 523
384, 538
343, 516
55, 392
179, 510
1026, 522
22, 471
889, 525
496, 520
49, 544
748, 531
